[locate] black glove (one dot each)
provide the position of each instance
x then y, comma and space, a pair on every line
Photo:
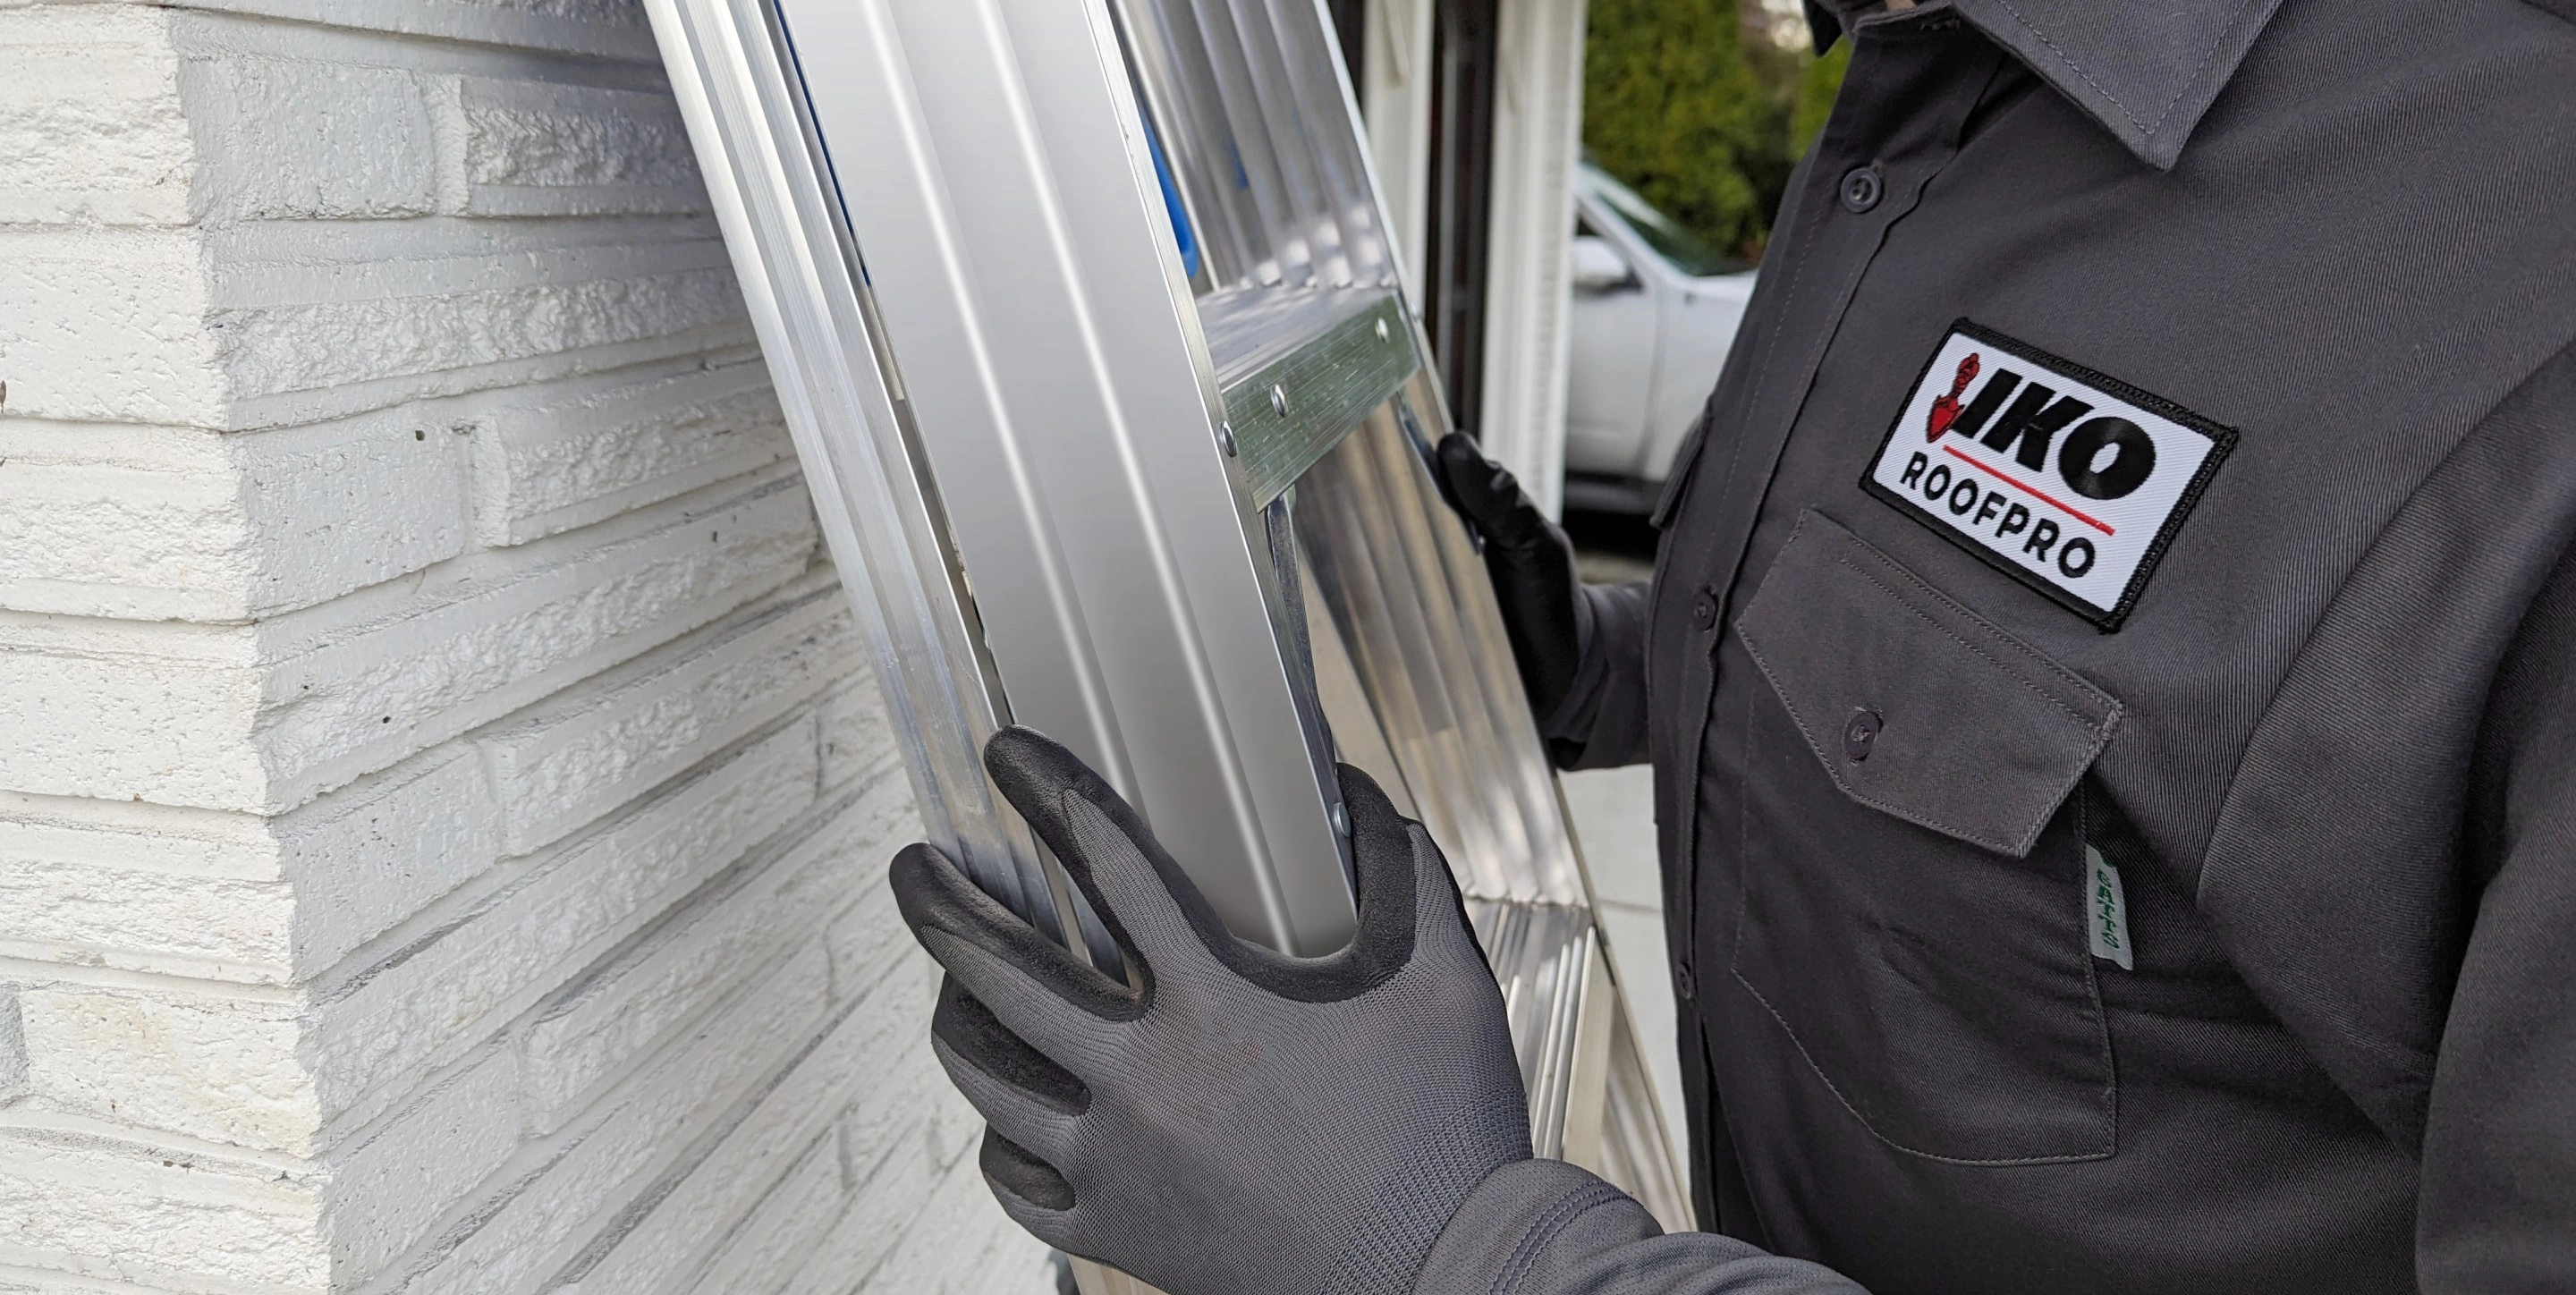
1532, 566
1246, 1123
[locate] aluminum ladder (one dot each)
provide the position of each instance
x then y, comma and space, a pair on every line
1094, 349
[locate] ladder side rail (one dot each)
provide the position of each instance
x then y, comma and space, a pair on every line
1264, 48
1181, 93
878, 514
1312, 53
993, 166
1266, 183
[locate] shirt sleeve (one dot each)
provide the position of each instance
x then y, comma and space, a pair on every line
2497, 1210
1602, 721
1544, 1227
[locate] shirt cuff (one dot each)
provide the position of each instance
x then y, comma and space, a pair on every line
1508, 1222
1601, 722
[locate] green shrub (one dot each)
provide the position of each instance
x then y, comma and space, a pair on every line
1703, 125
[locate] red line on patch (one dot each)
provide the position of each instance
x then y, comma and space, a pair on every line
2040, 495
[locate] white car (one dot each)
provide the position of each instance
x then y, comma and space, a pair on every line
1654, 312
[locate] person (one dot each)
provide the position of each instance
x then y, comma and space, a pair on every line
2110, 676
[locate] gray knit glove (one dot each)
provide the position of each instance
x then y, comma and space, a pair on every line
1246, 1123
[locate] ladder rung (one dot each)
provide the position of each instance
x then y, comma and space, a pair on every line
1299, 368
1542, 954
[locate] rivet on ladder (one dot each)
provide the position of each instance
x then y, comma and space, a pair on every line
1225, 438
1279, 400
1341, 820
1381, 329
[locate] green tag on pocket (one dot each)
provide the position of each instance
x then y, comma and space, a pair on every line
2106, 911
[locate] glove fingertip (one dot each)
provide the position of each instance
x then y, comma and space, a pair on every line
923, 881
1064, 801
1031, 767
972, 1031
1478, 476
1013, 1171
1035, 772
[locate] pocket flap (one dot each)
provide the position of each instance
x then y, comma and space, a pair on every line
1916, 705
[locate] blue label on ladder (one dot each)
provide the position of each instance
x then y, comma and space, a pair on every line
1172, 202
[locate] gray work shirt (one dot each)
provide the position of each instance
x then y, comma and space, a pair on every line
2111, 677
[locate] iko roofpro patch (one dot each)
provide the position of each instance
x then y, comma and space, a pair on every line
2070, 481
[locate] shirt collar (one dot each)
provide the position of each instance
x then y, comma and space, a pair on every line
2147, 70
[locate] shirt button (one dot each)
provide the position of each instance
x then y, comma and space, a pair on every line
1860, 733
1862, 188
1704, 610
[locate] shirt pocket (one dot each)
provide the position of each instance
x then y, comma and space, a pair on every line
1912, 909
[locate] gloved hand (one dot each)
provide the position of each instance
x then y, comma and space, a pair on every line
1246, 1123
1532, 567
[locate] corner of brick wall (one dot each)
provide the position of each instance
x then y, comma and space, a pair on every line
441, 796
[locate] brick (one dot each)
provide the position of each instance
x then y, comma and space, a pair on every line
594, 451
882, 1205
56, 908
916, 1105
109, 324
311, 140
142, 887
416, 663
82, 539
235, 897
158, 838
920, 1214
531, 1228
340, 507
685, 1222
341, 314
787, 1221
91, 119
960, 1244
13, 1047
255, 323
538, 149
585, 752
389, 1190
118, 1212
597, 1024
370, 855
115, 717
200, 718
606, 28
489, 650
867, 939
260, 324
277, 521
423, 1002
905, 1118
223, 1069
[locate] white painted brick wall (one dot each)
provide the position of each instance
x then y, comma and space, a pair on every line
442, 804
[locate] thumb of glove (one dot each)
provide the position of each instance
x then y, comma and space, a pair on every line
1489, 496
1531, 565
